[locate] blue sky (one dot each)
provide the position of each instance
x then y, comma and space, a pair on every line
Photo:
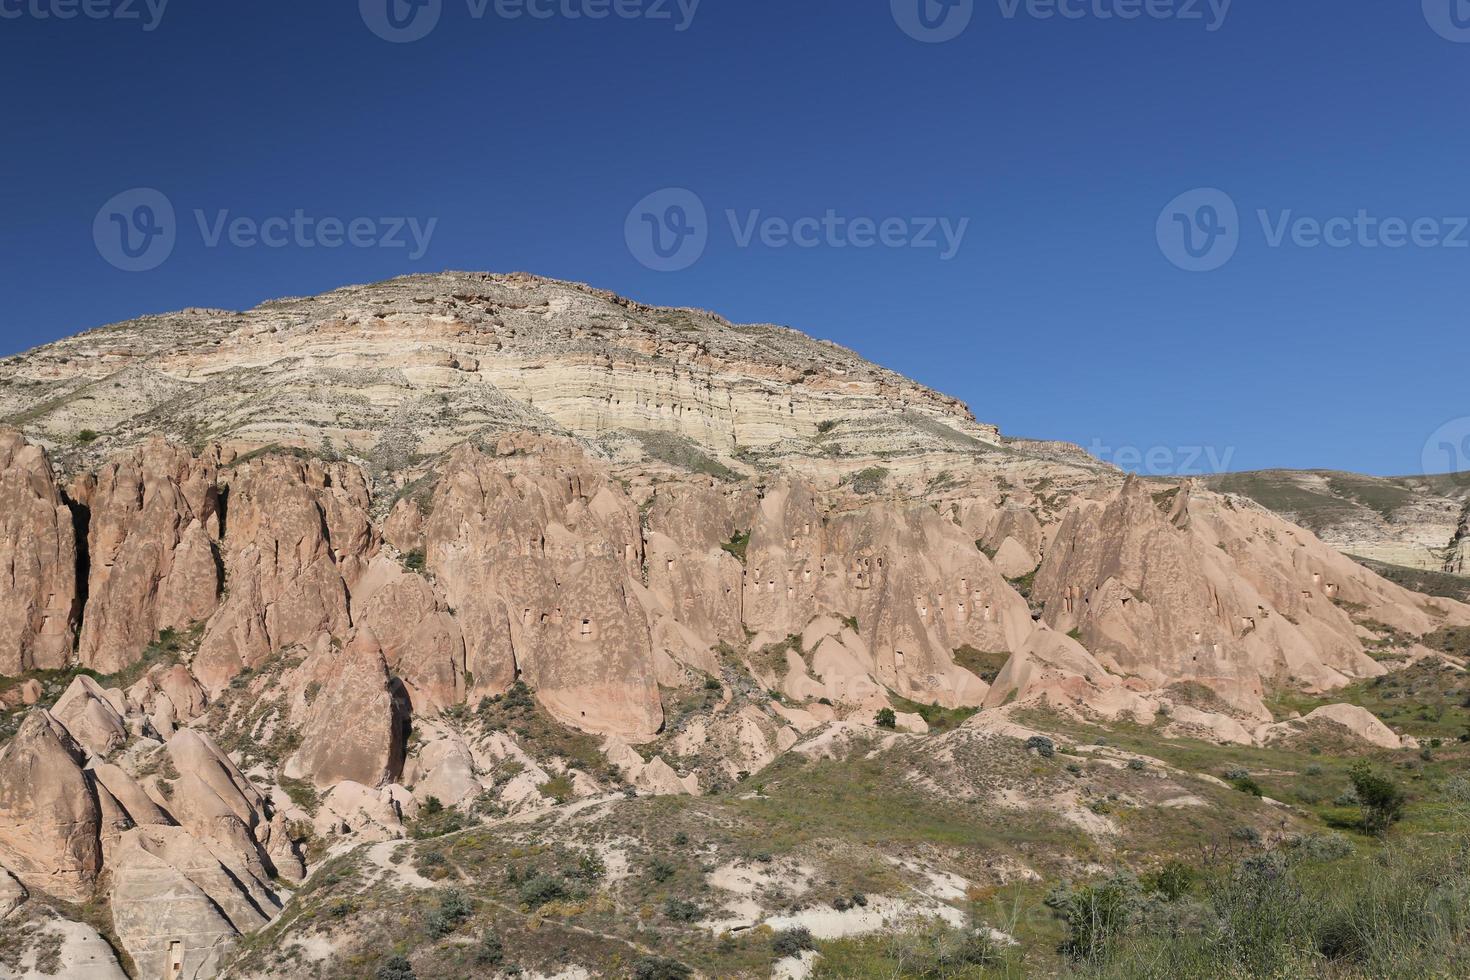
1050, 148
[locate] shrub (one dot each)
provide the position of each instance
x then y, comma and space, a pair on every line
452, 911
395, 968
86, 437
1042, 746
539, 889
1173, 881
1321, 847
678, 910
1137, 765
1236, 772
868, 481
1264, 917
1096, 916
1381, 800
659, 968
1248, 835
590, 867
793, 942
1247, 785
558, 788
887, 719
414, 561
660, 870
490, 951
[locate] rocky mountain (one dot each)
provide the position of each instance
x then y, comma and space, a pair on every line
489, 558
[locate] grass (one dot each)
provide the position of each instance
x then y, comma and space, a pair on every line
867, 800
1427, 700
938, 719
869, 481
1404, 912
1441, 584
983, 664
517, 712
738, 545
682, 453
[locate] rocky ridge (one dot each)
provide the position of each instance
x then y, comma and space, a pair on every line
550, 546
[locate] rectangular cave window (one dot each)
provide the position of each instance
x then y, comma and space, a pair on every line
175, 960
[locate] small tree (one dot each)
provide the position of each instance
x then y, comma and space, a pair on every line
886, 718
1380, 799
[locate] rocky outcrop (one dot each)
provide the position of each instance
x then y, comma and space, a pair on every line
1354, 721
368, 813
154, 522
12, 893
91, 716
298, 532
163, 908
357, 723
49, 816
536, 551
421, 641
38, 562
1175, 584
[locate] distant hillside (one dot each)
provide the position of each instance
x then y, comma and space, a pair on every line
1417, 522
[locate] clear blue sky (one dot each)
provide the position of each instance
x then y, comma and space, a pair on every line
1061, 141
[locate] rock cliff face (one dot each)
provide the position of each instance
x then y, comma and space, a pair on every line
343, 561
417, 365
152, 533
38, 562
